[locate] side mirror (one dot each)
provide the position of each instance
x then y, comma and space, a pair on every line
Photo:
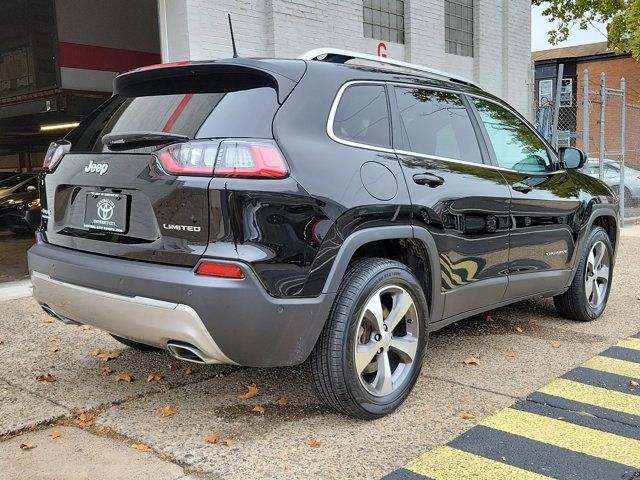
572, 158
31, 188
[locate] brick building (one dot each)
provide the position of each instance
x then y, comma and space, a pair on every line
597, 58
58, 57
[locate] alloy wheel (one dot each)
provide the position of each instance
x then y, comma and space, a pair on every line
387, 340
596, 277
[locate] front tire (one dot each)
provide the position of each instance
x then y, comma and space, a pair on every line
588, 294
370, 352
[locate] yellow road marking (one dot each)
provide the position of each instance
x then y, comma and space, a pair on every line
599, 397
447, 463
577, 438
614, 365
633, 343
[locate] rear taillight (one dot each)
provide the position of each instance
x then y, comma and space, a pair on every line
223, 270
55, 152
229, 158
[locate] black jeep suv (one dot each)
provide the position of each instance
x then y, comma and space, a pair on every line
272, 212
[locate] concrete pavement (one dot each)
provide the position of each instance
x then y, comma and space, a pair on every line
272, 444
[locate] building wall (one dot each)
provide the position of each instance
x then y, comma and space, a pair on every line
287, 28
614, 69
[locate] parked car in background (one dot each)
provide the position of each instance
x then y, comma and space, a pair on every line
5, 175
20, 203
612, 178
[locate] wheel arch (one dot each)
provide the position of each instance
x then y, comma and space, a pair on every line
411, 246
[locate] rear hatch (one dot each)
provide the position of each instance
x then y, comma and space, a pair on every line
133, 182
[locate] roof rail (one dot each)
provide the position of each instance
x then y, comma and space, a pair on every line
336, 55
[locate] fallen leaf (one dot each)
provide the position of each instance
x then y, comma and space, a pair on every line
287, 467
471, 361
46, 378
96, 352
27, 446
86, 327
219, 375
56, 434
467, 415
556, 345
283, 401
166, 411
258, 409
141, 447
213, 438
313, 443
228, 442
154, 377
188, 371
105, 357
489, 318
53, 349
511, 354
123, 377
519, 329
86, 418
107, 371
251, 392
47, 320
53, 339
633, 383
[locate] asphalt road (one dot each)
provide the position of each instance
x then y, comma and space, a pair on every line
276, 443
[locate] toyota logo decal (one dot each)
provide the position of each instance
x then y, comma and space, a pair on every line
105, 208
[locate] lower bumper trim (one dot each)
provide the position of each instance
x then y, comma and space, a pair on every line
141, 319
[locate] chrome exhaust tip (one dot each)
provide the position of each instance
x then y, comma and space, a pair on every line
185, 351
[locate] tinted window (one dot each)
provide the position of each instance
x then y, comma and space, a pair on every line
362, 116
243, 113
515, 144
437, 123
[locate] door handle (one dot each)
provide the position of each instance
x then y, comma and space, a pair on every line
428, 179
522, 187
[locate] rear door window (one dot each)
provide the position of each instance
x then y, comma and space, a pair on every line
362, 116
437, 124
243, 113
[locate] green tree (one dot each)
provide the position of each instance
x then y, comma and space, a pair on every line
622, 17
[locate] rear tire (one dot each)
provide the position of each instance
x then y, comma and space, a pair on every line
588, 294
138, 346
370, 352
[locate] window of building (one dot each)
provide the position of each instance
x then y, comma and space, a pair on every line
516, 146
458, 31
566, 93
438, 124
362, 116
384, 20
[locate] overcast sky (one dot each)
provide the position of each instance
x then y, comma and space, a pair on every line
540, 39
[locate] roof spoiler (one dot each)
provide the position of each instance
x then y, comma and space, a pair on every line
208, 77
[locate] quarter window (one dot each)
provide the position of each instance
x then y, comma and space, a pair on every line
458, 27
516, 146
362, 116
384, 20
437, 123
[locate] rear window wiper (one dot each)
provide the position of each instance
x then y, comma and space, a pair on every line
130, 140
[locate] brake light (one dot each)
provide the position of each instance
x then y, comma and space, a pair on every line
223, 270
229, 158
250, 159
55, 152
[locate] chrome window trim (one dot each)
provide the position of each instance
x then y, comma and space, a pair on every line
335, 138
334, 108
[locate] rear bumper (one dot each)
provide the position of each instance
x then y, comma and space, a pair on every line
230, 321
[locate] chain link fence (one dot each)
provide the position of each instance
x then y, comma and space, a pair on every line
579, 124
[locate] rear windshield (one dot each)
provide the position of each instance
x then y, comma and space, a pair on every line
14, 180
243, 113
